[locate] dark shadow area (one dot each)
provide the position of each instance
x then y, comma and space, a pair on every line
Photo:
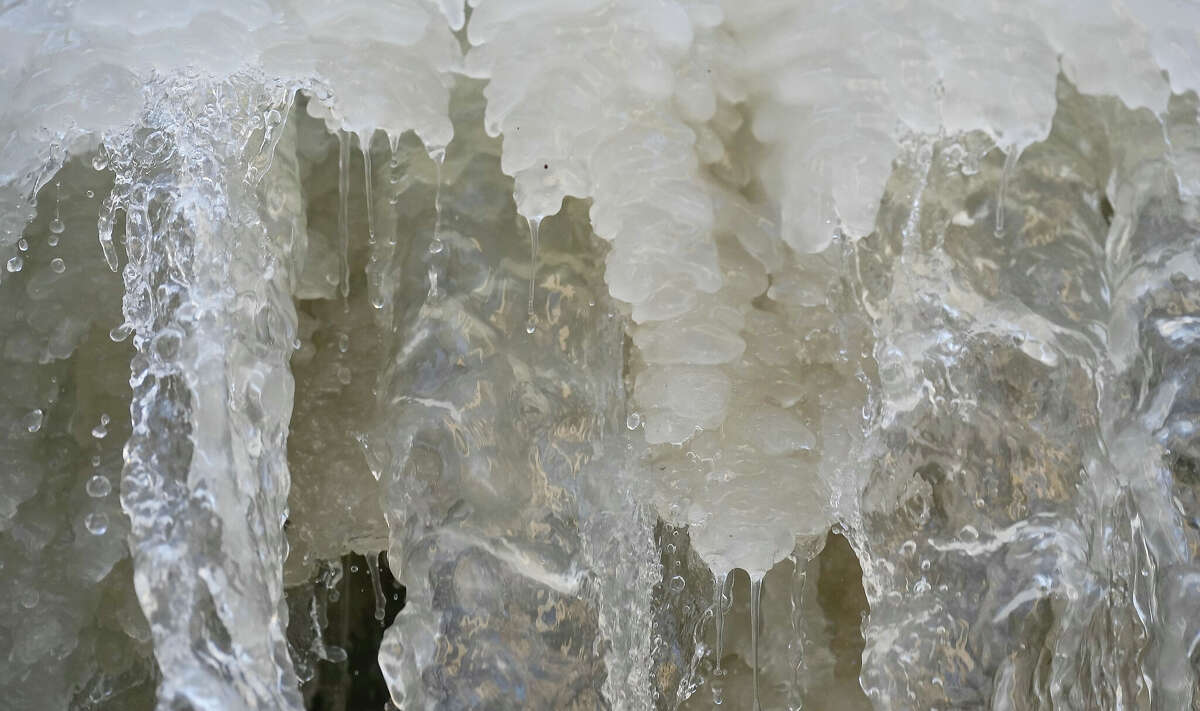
354, 627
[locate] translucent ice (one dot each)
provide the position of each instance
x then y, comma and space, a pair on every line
668, 354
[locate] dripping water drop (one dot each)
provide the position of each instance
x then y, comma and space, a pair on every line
33, 420
98, 486
96, 523
120, 333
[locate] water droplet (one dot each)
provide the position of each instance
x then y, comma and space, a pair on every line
23, 244
99, 431
436, 246
52, 240
634, 421
91, 194
354, 569
120, 333
99, 161
57, 226
344, 375
95, 460
96, 523
15, 264
104, 418
343, 342
98, 486
57, 265
33, 420
531, 324
677, 584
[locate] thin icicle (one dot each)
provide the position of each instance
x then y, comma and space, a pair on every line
366, 153
535, 224
380, 600
1010, 164
379, 264
796, 600
755, 619
344, 208
104, 229
721, 604
439, 157
438, 154
56, 225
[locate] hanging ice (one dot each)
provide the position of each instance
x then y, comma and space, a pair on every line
574, 354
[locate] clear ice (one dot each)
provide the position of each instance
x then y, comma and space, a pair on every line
599, 354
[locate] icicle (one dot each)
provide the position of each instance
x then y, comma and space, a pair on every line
755, 619
1010, 163
366, 153
344, 208
380, 263
104, 228
797, 616
721, 605
380, 601
535, 224
56, 225
439, 156
374, 273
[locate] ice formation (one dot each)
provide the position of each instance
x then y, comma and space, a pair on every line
673, 354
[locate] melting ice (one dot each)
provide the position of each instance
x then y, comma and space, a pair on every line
584, 354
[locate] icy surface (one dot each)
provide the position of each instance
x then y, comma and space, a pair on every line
755, 354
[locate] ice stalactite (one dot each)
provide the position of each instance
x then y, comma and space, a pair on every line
208, 282
654, 342
483, 524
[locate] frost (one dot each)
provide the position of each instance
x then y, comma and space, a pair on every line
599, 354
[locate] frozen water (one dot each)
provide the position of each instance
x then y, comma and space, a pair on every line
671, 355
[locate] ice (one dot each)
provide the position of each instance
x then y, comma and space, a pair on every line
668, 354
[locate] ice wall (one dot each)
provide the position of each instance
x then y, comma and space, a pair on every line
577, 308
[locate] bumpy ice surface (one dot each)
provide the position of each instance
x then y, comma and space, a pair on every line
674, 354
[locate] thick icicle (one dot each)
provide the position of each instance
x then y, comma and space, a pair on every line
205, 479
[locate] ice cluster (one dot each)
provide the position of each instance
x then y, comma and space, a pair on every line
586, 354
